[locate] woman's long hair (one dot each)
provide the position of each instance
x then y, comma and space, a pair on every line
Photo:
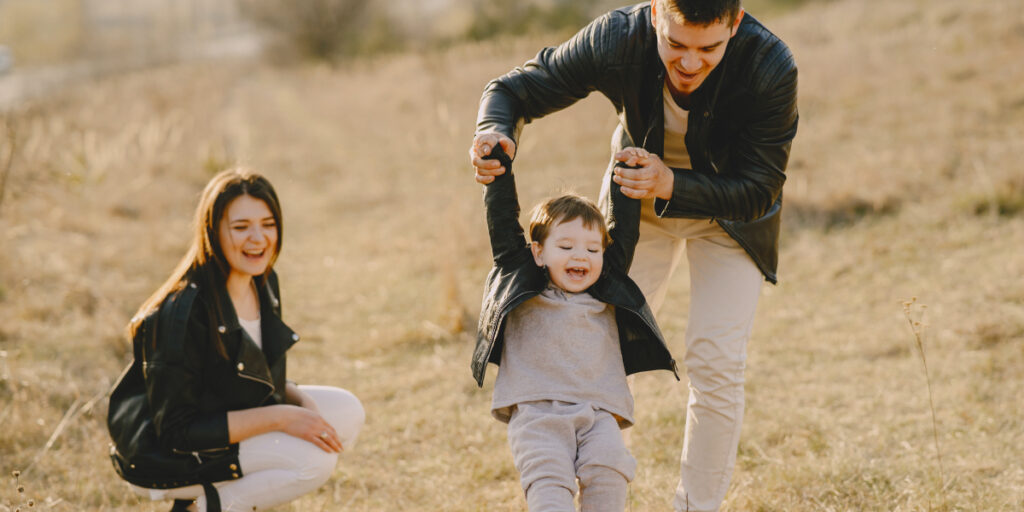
204, 262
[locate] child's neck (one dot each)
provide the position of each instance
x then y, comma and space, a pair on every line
559, 289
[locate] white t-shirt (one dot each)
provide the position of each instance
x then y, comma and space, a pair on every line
676, 154
253, 328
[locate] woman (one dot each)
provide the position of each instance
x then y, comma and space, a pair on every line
204, 415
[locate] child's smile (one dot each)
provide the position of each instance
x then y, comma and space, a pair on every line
573, 255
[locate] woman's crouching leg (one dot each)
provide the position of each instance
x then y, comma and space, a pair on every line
279, 468
341, 409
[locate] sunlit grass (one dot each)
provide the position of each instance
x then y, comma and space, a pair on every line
385, 253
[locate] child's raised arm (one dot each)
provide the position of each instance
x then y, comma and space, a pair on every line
623, 220
508, 240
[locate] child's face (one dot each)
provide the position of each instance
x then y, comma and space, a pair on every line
573, 255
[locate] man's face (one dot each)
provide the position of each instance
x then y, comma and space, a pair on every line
690, 52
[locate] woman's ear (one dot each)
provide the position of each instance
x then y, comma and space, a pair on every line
536, 249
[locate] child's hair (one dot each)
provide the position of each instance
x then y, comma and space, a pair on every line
566, 208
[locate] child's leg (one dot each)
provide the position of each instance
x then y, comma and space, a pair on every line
542, 436
604, 466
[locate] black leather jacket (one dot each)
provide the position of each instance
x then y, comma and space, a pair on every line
742, 118
168, 412
516, 278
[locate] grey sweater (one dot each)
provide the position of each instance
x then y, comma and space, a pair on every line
562, 346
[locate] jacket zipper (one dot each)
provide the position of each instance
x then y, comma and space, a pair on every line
196, 453
261, 381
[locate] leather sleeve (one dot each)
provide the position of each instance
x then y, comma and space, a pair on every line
174, 386
759, 156
508, 240
553, 80
623, 219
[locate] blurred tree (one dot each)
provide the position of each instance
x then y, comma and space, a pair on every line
493, 19
319, 29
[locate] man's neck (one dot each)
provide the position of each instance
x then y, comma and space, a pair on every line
681, 98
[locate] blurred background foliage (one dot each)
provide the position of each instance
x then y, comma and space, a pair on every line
133, 33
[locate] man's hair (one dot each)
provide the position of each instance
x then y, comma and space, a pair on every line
566, 208
701, 12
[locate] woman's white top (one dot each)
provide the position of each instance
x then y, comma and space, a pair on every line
253, 328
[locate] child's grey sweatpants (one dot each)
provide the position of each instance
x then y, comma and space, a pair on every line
555, 442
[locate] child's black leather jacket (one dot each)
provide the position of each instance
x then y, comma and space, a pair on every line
516, 278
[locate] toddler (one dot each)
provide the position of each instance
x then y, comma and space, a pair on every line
566, 325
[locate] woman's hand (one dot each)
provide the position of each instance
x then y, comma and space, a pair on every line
307, 424
294, 420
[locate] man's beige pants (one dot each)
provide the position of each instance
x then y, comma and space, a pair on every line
724, 288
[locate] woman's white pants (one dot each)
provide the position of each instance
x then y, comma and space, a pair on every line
278, 467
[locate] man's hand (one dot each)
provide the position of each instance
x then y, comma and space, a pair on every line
486, 170
651, 179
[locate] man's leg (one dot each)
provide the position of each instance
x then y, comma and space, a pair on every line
657, 254
724, 289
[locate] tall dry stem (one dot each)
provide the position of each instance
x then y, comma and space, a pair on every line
917, 327
8, 158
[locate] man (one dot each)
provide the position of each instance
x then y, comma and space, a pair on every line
709, 94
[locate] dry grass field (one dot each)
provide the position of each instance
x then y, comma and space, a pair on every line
905, 181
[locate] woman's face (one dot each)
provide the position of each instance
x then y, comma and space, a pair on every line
248, 236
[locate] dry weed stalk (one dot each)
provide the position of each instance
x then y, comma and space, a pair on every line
23, 502
917, 327
5, 167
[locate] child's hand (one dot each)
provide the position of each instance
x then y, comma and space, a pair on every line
487, 169
633, 157
645, 175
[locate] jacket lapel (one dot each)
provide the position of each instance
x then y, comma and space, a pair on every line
277, 337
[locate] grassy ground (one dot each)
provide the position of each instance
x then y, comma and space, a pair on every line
905, 181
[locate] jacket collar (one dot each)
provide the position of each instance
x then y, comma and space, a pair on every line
277, 337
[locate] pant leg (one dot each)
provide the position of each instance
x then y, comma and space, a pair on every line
278, 467
725, 285
190, 492
603, 464
542, 436
341, 409
658, 252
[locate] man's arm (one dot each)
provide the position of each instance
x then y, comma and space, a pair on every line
555, 79
759, 157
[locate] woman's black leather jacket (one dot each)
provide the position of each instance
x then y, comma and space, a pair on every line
741, 125
516, 278
168, 412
